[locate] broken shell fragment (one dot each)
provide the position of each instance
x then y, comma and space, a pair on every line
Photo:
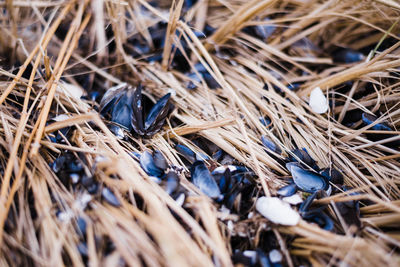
277, 211
293, 199
318, 101
333, 175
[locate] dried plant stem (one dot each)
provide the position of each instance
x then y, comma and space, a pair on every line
235, 22
46, 40
62, 62
264, 57
175, 12
349, 74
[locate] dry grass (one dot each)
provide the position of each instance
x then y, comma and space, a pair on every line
150, 228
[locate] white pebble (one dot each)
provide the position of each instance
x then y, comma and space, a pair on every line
250, 215
277, 211
318, 101
275, 256
74, 178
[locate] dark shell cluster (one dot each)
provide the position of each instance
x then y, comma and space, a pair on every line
307, 177
224, 184
124, 106
139, 47
232, 186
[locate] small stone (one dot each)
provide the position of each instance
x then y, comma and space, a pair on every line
318, 101
275, 256
277, 211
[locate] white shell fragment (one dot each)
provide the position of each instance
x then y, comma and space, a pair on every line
79, 204
293, 199
222, 169
277, 211
172, 92
70, 90
230, 225
61, 117
180, 199
275, 256
252, 254
318, 102
65, 216
82, 201
224, 212
155, 179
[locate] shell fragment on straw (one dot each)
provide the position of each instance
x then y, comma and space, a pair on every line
277, 211
318, 102
70, 90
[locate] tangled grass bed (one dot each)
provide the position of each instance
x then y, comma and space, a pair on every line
53, 51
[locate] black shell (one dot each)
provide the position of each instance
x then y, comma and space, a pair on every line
202, 72
150, 166
382, 126
268, 143
122, 110
159, 160
137, 116
186, 152
320, 218
109, 196
110, 98
157, 115
287, 190
125, 106
333, 175
202, 178
369, 119
171, 183
304, 158
347, 55
306, 180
